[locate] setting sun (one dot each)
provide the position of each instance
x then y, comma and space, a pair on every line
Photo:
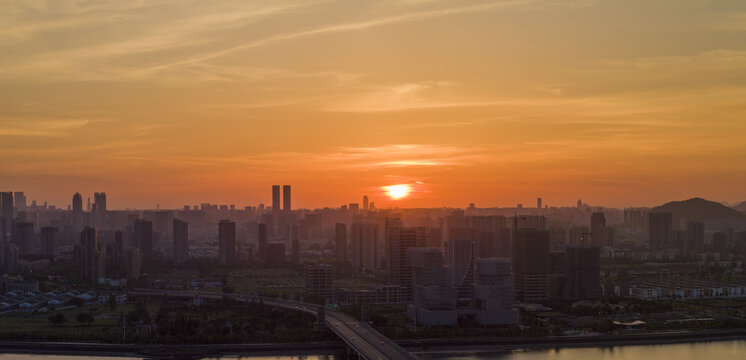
397, 191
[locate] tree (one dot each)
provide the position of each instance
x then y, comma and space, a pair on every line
84, 319
57, 319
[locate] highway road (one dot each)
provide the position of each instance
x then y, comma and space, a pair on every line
364, 340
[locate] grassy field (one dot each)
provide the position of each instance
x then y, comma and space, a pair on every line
38, 323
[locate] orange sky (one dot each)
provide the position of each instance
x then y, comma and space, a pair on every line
620, 103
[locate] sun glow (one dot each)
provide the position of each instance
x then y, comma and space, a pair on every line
397, 191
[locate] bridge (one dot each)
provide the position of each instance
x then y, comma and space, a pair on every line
361, 338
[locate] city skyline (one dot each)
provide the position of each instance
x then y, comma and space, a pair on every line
493, 102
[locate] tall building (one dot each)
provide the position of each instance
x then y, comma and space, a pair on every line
531, 264
226, 242
365, 203
598, 229
432, 292
660, 230
319, 280
286, 198
275, 208
459, 256
143, 239
91, 259
340, 242
180, 241
77, 203
493, 292
132, 263
295, 244
6, 206
364, 246
262, 238
538, 203
399, 240
695, 238
99, 202
49, 241
583, 272
20, 199
24, 237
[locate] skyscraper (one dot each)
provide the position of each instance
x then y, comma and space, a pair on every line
91, 259
399, 240
286, 198
49, 240
340, 242
77, 203
295, 244
226, 242
20, 199
24, 236
262, 239
538, 203
180, 241
494, 297
598, 229
275, 208
459, 256
583, 277
660, 230
695, 238
99, 202
364, 246
365, 202
531, 264
143, 239
6, 205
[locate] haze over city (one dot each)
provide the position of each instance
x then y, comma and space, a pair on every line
388, 179
495, 102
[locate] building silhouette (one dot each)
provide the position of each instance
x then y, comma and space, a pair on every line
275, 208
364, 246
180, 241
143, 239
91, 260
77, 203
226, 242
24, 237
340, 242
262, 239
6, 206
286, 198
531, 264
295, 244
583, 273
20, 200
319, 280
598, 229
48, 239
660, 230
399, 240
459, 256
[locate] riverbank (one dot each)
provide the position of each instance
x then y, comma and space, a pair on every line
421, 347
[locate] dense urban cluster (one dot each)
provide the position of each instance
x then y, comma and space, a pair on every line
422, 268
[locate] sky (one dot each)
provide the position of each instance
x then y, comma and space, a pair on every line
172, 103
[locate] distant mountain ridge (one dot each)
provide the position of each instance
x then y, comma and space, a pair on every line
698, 209
741, 207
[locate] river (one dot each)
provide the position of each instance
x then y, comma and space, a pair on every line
715, 350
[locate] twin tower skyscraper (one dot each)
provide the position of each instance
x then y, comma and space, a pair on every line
276, 198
